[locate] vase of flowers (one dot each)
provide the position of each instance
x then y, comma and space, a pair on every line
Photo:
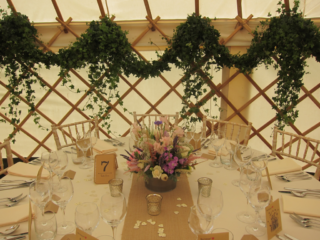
160, 155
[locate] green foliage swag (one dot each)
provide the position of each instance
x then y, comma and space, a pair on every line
194, 48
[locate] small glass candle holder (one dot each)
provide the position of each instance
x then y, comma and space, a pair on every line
154, 204
115, 186
204, 186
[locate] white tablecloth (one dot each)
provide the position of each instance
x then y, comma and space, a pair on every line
85, 190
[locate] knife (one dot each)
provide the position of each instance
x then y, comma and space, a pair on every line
299, 191
290, 237
13, 238
302, 190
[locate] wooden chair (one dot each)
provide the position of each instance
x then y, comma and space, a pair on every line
290, 146
234, 131
154, 117
69, 131
5, 145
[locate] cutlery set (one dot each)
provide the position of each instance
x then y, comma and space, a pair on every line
10, 184
14, 201
287, 237
305, 222
114, 142
289, 177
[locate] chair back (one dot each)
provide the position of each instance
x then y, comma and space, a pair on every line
297, 147
149, 119
68, 132
234, 131
5, 146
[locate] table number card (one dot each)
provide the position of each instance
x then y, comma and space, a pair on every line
105, 166
81, 235
215, 236
273, 219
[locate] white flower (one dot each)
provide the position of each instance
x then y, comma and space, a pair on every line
164, 177
185, 151
140, 165
157, 171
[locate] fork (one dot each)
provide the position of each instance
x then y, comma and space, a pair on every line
290, 179
17, 201
306, 219
306, 225
11, 199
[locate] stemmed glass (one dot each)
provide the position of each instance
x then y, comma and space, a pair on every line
197, 134
113, 209
87, 217
260, 163
62, 192
213, 199
259, 197
217, 141
242, 156
58, 162
40, 193
83, 142
249, 179
200, 219
94, 139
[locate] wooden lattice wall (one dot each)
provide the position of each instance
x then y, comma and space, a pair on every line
44, 140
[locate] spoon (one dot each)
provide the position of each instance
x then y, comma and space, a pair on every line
10, 229
303, 194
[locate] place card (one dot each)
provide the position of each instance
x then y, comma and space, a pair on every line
273, 219
105, 167
81, 235
51, 207
215, 236
249, 237
69, 174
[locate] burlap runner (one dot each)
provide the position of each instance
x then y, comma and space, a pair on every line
175, 225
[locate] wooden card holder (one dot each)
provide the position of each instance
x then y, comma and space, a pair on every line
105, 166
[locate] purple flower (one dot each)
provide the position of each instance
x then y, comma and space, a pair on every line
158, 123
182, 160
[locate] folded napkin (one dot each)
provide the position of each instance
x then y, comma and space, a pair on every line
27, 170
303, 206
282, 166
103, 147
229, 144
14, 215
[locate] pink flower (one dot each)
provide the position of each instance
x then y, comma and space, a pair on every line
178, 131
166, 141
166, 123
136, 128
158, 148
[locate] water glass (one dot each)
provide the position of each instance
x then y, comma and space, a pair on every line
45, 225
200, 220
115, 186
154, 204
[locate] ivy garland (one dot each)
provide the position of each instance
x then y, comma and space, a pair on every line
194, 48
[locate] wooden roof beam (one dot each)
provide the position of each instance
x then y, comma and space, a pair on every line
239, 7
13, 9
197, 11
56, 7
146, 4
103, 14
286, 2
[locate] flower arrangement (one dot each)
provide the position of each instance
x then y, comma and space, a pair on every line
160, 151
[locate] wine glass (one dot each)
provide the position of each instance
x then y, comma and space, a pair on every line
83, 142
87, 217
242, 156
58, 162
62, 192
259, 197
198, 134
249, 178
45, 159
40, 193
217, 141
213, 199
113, 209
94, 139
260, 163
200, 219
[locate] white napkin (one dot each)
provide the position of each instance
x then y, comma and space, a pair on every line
27, 170
103, 147
303, 206
282, 166
14, 215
